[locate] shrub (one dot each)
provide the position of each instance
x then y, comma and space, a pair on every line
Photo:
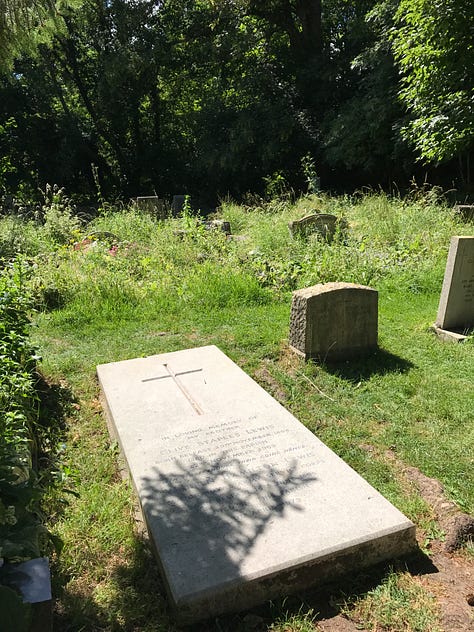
22, 535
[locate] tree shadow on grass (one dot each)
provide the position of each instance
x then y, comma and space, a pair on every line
130, 596
380, 362
55, 404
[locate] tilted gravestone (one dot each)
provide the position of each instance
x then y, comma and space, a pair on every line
455, 316
323, 224
242, 502
334, 321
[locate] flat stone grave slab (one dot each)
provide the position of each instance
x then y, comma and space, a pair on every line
242, 502
455, 318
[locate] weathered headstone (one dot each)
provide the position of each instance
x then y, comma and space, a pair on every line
455, 316
242, 502
465, 211
323, 224
177, 204
333, 321
217, 224
152, 204
8, 203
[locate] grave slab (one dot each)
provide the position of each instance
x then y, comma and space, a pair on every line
456, 305
242, 502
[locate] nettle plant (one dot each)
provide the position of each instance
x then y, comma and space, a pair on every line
19, 535
60, 224
22, 534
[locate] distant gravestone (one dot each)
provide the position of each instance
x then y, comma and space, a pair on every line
217, 224
323, 224
455, 316
465, 211
333, 321
8, 203
177, 204
242, 502
152, 204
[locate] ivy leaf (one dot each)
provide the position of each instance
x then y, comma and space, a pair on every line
16, 615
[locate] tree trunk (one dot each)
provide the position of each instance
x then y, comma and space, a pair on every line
299, 19
309, 14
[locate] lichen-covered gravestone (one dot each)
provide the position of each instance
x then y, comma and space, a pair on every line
323, 224
455, 316
334, 321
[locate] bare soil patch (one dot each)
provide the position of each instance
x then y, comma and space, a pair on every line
447, 571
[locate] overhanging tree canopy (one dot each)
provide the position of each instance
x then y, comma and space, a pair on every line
24, 24
434, 46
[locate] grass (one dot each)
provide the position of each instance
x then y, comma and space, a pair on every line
399, 604
161, 290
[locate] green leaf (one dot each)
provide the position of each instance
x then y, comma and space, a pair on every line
15, 614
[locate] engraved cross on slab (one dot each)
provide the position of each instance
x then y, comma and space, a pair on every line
175, 377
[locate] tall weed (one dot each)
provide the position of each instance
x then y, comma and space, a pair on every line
22, 535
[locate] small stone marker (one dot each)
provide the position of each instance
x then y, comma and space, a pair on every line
455, 317
242, 502
217, 224
333, 321
322, 224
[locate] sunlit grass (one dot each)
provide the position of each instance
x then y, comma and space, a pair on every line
400, 604
162, 290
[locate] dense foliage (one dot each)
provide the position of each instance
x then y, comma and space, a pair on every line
20, 533
136, 97
433, 43
25, 24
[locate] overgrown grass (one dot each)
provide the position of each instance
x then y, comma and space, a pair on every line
151, 288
